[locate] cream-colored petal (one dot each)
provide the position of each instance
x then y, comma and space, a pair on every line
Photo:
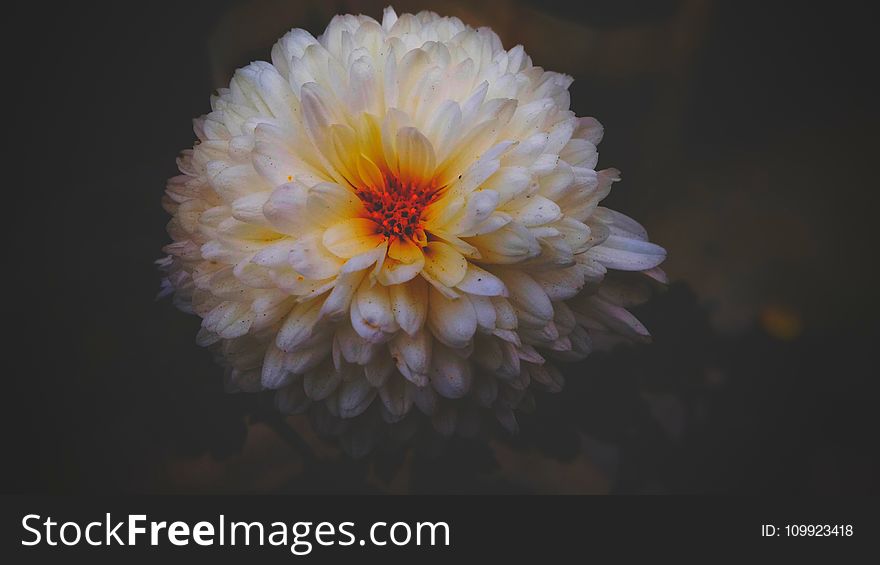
319, 384
444, 264
310, 258
352, 237
368, 331
409, 302
453, 322
450, 374
397, 396
415, 156
485, 312
329, 203
354, 397
479, 206
299, 326
379, 368
366, 260
481, 282
535, 210
512, 243
276, 254
338, 301
626, 254
528, 298
274, 374
509, 183
412, 354
286, 209
374, 305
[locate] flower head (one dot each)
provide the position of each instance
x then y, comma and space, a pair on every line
400, 214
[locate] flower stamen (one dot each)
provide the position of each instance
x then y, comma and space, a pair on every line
397, 206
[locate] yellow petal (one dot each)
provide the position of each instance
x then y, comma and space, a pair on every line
342, 151
420, 238
444, 264
369, 132
415, 156
404, 250
370, 174
352, 237
394, 272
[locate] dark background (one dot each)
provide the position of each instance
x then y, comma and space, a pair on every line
747, 136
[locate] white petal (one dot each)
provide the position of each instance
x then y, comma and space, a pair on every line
397, 396
234, 182
369, 332
535, 211
276, 254
509, 183
337, 303
328, 203
426, 399
250, 208
621, 224
506, 417
560, 284
450, 374
485, 311
274, 374
528, 298
409, 302
413, 355
299, 325
479, 206
389, 17
379, 369
505, 315
310, 258
286, 209
319, 384
374, 304
444, 264
590, 129
365, 260
618, 319
481, 282
306, 358
625, 254
354, 397
453, 322
511, 244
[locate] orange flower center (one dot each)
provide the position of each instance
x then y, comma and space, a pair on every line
397, 206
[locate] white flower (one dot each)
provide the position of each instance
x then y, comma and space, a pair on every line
400, 213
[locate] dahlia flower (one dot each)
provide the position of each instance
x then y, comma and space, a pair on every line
401, 215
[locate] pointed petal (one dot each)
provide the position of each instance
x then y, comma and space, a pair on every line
409, 302
353, 237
